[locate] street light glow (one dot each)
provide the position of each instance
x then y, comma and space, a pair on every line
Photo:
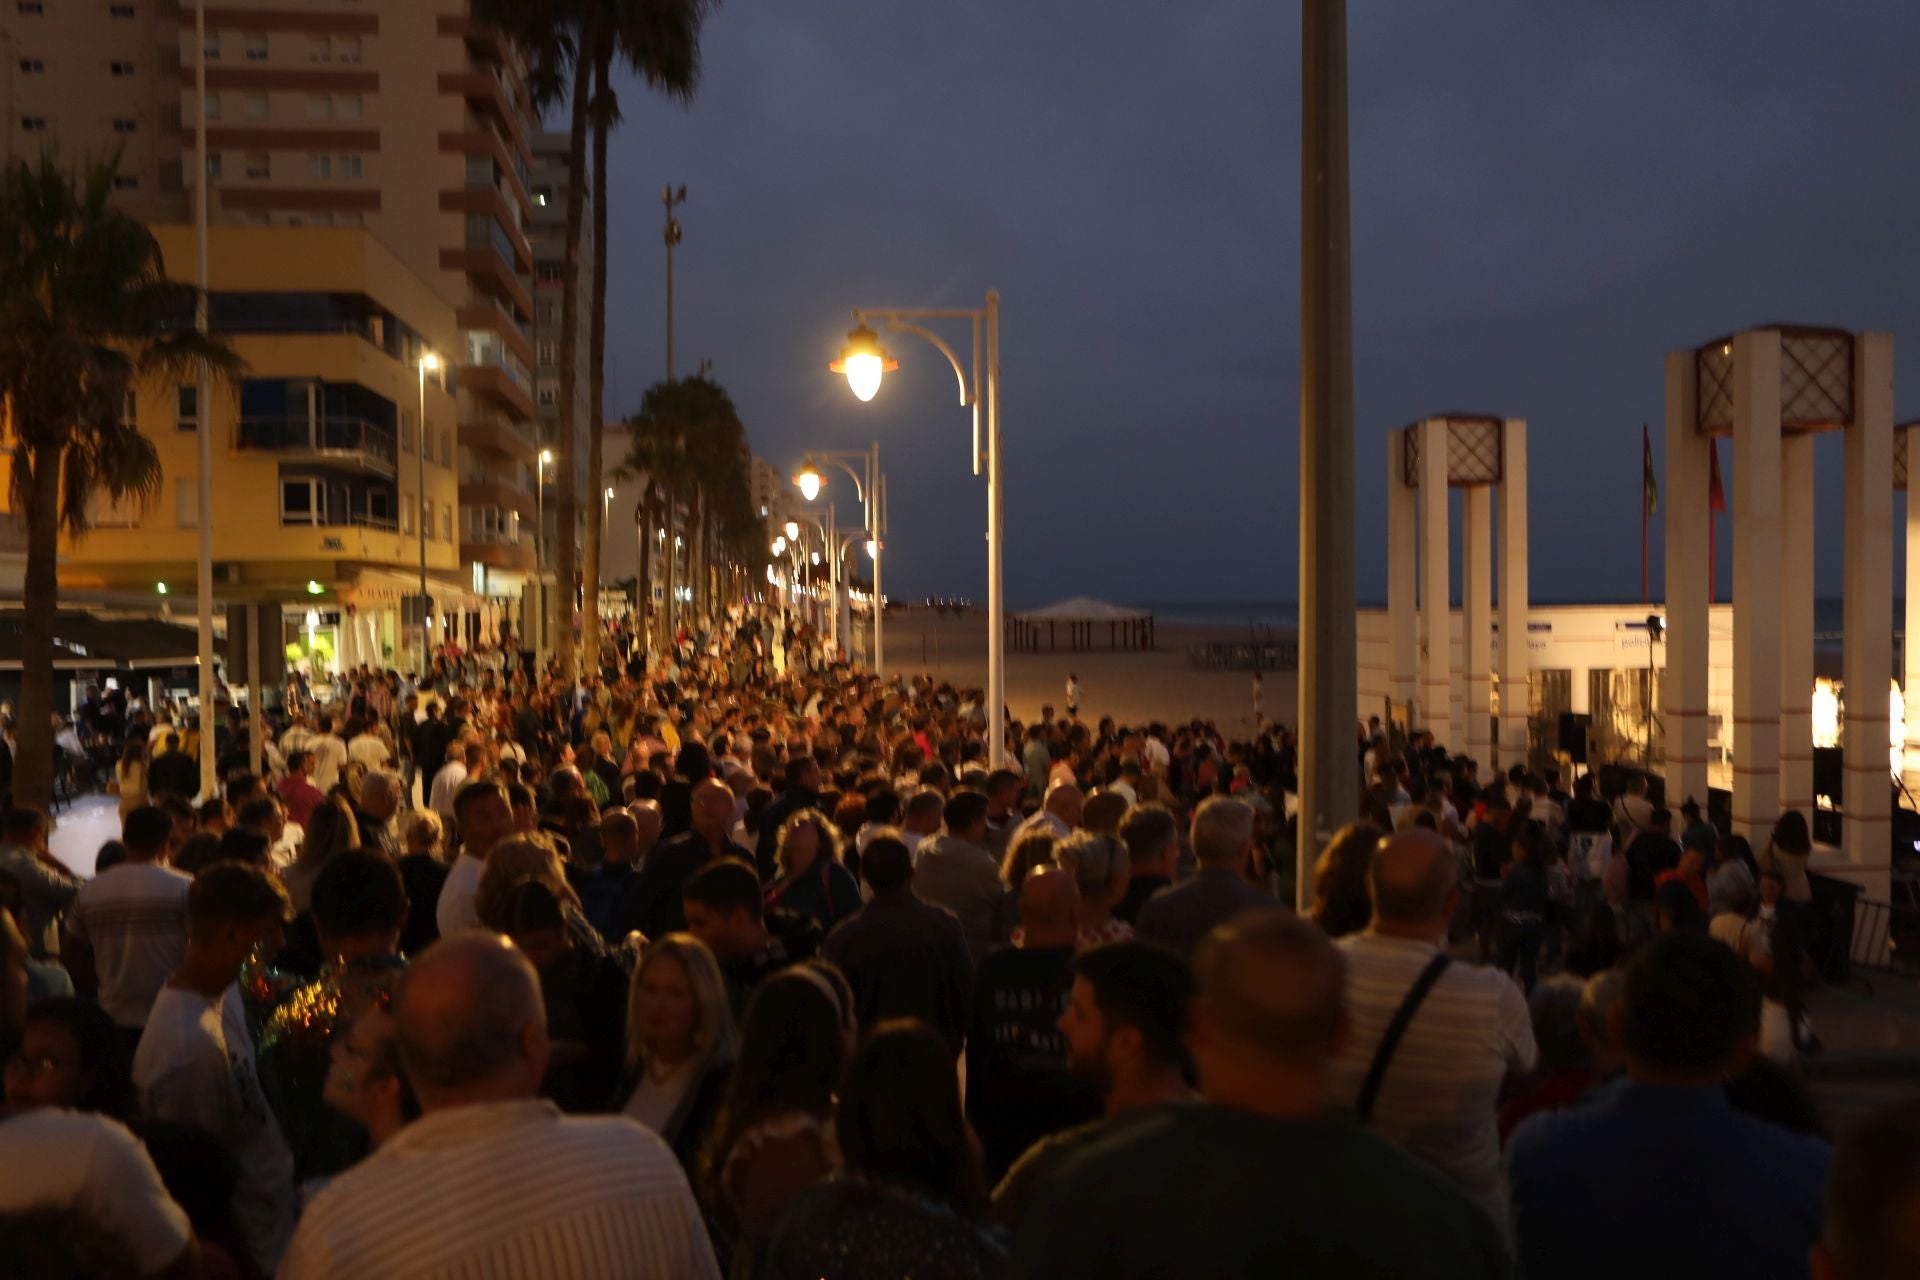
546, 457
816, 557
873, 549
779, 549
429, 362
793, 531
864, 360
809, 481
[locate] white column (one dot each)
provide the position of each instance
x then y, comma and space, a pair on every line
1867, 791
1514, 665
1436, 608
1796, 621
1756, 583
1476, 579
1403, 643
1684, 705
1911, 658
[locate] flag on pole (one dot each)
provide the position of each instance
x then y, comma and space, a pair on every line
1650, 488
1716, 495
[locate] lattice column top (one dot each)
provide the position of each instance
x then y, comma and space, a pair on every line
1474, 450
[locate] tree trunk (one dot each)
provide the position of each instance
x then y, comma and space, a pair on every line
566, 488
597, 363
668, 550
697, 547
33, 730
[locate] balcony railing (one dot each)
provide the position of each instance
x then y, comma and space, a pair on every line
318, 436
341, 520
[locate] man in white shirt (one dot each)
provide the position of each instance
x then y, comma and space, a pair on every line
127, 931
483, 818
52, 1158
1437, 1096
491, 1180
448, 781
329, 753
369, 748
195, 1064
1059, 815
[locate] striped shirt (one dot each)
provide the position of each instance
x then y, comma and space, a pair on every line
134, 916
507, 1189
1438, 1100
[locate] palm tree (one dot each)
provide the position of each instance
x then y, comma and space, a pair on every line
86, 312
659, 40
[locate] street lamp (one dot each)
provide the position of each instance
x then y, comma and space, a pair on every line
540, 547
793, 530
429, 362
809, 481
863, 360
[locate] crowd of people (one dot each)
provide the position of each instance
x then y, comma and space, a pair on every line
723, 965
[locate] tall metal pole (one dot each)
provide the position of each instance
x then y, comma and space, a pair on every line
209, 725
833, 579
540, 550
669, 197
996, 549
420, 453
1329, 759
879, 553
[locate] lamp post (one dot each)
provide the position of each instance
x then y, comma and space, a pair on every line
540, 550
209, 730
428, 363
865, 361
809, 481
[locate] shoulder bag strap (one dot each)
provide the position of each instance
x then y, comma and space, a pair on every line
1390, 1042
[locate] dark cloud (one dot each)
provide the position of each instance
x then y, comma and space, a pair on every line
1546, 198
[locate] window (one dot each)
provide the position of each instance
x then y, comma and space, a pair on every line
319, 107
347, 48
186, 411
119, 11
31, 66
300, 501
550, 273
380, 506
446, 524
31, 8
347, 107
406, 518
213, 164
549, 395
256, 46
212, 47
123, 125
426, 520
121, 69
406, 431
256, 106
124, 182
319, 49
446, 448
186, 503
259, 165
322, 166
33, 124
548, 350
350, 166
213, 106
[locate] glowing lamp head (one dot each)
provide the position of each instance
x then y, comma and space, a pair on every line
793, 531
313, 587
864, 361
546, 457
779, 546
816, 557
873, 549
430, 362
809, 481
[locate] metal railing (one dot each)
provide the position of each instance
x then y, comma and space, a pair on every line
1886, 938
317, 435
1278, 655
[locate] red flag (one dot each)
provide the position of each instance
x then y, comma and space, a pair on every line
1716, 496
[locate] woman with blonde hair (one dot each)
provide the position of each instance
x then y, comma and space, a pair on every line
331, 830
813, 882
1100, 867
1032, 848
681, 1044
130, 777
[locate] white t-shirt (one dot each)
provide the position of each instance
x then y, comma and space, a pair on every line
367, 749
75, 1159
134, 916
446, 787
195, 1066
454, 911
329, 753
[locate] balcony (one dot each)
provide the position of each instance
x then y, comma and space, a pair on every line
485, 91
484, 490
492, 272
477, 139
350, 443
499, 551
484, 314
493, 435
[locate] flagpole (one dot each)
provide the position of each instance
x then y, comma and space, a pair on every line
1646, 462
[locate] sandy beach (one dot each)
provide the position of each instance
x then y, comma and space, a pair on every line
1132, 686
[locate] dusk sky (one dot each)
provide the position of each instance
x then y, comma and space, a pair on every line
1546, 199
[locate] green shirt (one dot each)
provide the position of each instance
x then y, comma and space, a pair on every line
1207, 1193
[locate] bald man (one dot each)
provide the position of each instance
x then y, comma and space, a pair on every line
608, 1199
1061, 812
653, 904
1266, 1168
1437, 1093
1019, 1088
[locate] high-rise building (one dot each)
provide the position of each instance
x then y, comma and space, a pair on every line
395, 116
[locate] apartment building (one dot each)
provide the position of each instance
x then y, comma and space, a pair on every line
402, 117
319, 447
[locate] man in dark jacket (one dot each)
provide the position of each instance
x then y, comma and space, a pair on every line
803, 792
653, 903
904, 958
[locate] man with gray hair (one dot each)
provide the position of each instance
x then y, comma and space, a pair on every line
1432, 1041
589, 1195
1222, 843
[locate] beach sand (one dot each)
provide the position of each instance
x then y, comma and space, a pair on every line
1132, 686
